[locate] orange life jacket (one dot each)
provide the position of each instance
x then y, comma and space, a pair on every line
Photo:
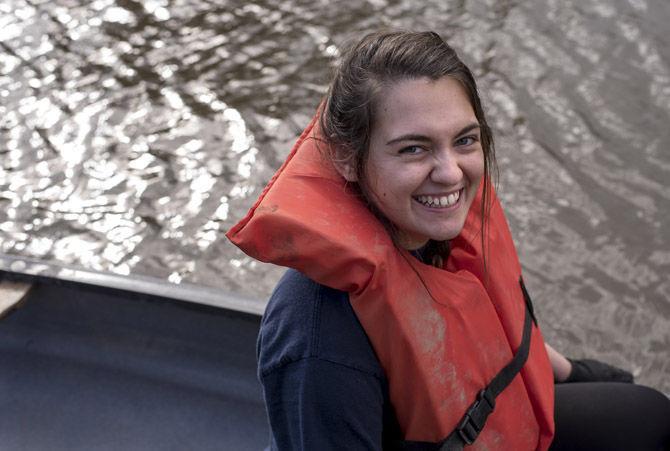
441, 335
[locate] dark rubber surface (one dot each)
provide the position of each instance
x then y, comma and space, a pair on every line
86, 368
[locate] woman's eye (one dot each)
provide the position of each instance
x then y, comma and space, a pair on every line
411, 150
466, 141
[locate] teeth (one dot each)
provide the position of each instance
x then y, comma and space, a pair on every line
452, 198
440, 201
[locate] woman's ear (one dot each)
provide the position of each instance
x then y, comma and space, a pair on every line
345, 167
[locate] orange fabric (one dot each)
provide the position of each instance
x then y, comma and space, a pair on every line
440, 334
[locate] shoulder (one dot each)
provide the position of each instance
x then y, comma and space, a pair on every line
305, 320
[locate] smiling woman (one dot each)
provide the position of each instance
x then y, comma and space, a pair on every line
425, 160
405, 322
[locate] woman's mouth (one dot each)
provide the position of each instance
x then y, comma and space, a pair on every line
439, 201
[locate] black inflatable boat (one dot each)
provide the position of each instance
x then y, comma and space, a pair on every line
94, 361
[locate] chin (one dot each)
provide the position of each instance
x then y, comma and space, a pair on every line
446, 235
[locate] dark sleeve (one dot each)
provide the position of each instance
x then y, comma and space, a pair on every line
323, 386
322, 405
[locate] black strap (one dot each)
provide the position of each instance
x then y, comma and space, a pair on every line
475, 417
529, 302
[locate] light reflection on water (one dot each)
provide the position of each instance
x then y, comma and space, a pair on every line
132, 135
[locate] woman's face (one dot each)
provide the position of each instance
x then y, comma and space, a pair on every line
425, 159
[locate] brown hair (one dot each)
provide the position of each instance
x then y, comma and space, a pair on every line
379, 60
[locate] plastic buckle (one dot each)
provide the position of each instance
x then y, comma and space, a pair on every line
475, 417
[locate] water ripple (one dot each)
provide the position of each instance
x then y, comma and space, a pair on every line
132, 134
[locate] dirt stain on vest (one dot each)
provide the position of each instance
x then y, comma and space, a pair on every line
429, 329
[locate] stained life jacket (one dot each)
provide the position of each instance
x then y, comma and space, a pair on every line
441, 334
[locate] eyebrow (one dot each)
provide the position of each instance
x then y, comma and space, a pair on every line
423, 138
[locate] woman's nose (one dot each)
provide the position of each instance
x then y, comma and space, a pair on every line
446, 169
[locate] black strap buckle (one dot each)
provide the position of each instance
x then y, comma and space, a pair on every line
475, 417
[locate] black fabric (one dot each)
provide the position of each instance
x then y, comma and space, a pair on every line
588, 370
323, 384
610, 416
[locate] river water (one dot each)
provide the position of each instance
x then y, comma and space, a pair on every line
133, 134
